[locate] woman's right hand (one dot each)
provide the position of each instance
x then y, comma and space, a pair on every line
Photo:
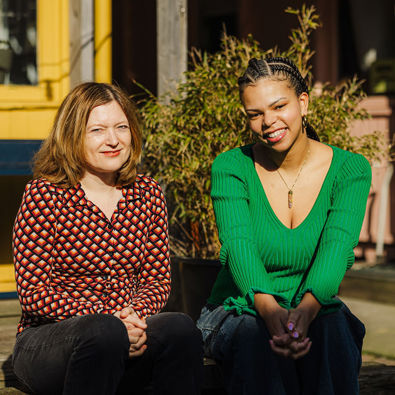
276, 318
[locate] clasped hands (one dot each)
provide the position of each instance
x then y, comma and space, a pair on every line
136, 328
288, 328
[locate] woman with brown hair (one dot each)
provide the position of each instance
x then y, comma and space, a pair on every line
92, 262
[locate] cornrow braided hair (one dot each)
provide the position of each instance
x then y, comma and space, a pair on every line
274, 68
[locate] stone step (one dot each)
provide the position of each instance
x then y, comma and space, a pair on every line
377, 380
9, 384
375, 284
374, 378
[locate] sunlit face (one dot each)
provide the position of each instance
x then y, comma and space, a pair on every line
107, 140
275, 112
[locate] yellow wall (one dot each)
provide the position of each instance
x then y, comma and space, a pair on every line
7, 278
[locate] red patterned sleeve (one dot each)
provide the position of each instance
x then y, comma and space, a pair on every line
33, 239
154, 276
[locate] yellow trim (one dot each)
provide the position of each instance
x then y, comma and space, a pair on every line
103, 41
7, 278
26, 112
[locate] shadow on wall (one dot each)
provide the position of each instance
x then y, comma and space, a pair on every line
15, 171
12, 188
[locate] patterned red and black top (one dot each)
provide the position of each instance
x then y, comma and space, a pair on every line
71, 260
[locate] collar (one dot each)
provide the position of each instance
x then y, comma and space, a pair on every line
75, 196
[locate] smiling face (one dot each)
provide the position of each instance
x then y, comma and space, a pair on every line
275, 112
107, 140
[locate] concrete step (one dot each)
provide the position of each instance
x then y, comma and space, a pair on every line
379, 320
374, 378
9, 384
372, 283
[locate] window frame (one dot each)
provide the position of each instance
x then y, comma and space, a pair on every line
53, 61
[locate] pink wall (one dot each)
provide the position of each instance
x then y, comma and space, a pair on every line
382, 111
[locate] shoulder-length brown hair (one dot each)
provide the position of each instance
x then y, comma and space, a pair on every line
61, 158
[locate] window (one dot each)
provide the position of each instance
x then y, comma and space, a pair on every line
18, 38
37, 32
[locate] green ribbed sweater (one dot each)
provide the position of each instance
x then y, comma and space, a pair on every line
260, 254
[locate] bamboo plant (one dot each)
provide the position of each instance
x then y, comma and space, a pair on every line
185, 130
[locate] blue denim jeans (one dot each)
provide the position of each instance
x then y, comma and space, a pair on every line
240, 344
89, 355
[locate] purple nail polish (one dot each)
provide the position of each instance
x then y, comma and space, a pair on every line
290, 326
295, 335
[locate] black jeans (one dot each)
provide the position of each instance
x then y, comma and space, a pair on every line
89, 355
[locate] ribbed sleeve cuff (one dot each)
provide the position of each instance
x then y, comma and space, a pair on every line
323, 299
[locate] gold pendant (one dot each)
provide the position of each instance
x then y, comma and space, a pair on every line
290, 196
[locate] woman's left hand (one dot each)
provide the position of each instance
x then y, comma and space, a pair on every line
138, 346
300, 318
136, 328
298, 324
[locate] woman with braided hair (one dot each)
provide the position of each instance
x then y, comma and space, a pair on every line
289, 210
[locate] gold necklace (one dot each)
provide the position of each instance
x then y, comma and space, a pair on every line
290, 190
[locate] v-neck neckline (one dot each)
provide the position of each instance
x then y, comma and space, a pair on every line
96, 208
266, 200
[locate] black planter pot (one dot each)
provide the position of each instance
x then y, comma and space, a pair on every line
192, 281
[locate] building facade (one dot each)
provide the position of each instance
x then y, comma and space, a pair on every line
49, 46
